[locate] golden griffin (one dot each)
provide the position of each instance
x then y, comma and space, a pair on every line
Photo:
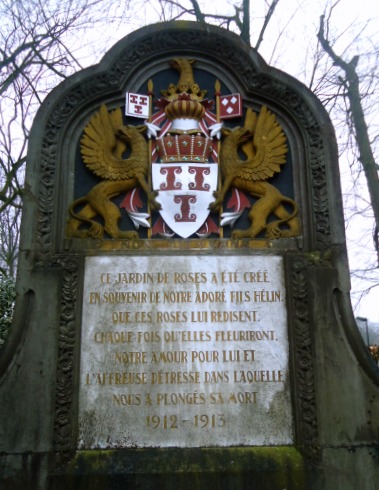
104, 142
263, 143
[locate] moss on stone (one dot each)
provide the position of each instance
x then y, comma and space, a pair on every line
193, 468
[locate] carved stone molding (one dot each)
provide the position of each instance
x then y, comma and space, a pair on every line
303, 360
67, 348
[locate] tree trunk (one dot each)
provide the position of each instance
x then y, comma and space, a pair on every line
362, 139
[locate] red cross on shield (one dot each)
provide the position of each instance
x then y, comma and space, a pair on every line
185, 191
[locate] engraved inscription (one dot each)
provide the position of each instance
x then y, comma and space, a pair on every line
185, 351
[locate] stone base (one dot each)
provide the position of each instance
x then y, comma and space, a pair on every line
274, 468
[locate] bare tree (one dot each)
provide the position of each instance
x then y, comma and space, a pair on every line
41, 43
9, 239
349, 84
238, 19
345, 77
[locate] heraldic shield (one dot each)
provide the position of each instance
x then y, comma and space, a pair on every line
185, 191
184, 159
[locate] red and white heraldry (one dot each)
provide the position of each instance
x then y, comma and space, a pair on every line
184, 165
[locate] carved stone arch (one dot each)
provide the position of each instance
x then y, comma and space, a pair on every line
238, 66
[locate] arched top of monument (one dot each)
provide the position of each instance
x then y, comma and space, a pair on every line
194, 37
219, 55
142, 53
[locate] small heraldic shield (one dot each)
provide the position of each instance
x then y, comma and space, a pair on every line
137, 105
185, 191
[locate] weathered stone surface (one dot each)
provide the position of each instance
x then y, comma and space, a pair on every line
329, 411
186, 352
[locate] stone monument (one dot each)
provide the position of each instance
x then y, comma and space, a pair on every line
183, 316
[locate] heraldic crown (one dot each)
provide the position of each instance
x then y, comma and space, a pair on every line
185, 108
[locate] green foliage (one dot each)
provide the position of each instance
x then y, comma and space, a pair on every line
7, 300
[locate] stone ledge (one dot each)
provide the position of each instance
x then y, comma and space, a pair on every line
273, 468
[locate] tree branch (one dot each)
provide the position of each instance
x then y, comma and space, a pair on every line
266, 22
351, 84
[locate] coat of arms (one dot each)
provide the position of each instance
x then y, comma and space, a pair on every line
196, 174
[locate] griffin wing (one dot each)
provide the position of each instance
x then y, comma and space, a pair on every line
267, 151
101, 149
